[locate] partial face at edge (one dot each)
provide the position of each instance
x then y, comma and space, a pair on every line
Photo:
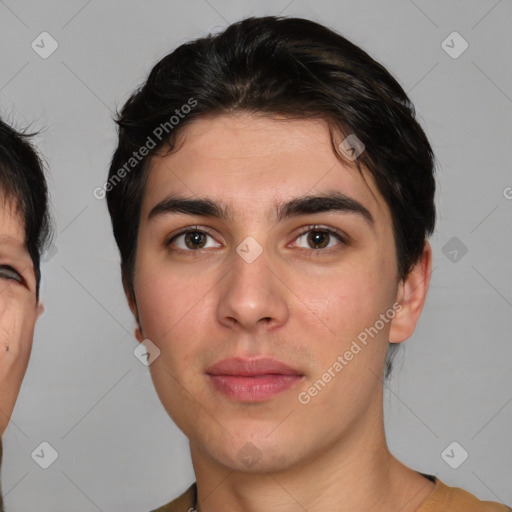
321, 280
19, 308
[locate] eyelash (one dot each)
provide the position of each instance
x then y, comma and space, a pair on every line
17, 278
311, 252
323, 229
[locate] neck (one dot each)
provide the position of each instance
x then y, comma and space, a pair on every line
356, 473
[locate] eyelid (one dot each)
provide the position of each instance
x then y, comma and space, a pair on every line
188, 229
329, 229
17, 275
342, 237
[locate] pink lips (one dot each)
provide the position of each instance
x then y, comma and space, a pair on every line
252, 380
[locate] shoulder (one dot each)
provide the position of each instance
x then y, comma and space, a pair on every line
183, 503
442, 499
453, 499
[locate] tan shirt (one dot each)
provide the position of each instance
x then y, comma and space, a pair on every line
441, 499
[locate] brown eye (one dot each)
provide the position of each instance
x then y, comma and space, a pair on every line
318, 239
315, 237
195, 239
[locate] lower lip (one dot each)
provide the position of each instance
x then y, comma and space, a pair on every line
253, 389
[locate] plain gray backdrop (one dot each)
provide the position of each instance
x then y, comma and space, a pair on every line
88, 396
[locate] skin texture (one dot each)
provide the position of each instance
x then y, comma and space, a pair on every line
19, 309
299, 304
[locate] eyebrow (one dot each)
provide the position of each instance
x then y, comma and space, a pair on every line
304, 205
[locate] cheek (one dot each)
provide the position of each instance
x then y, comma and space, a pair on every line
175, 313
342, 301
172, 313
17, 322
343, 305
164, 303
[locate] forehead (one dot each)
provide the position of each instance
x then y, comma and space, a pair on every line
250, 161
12, 229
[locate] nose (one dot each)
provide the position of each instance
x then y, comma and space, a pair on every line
253, 295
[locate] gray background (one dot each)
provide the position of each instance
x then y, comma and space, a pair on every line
93, 401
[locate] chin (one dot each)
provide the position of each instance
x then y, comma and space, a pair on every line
255, 455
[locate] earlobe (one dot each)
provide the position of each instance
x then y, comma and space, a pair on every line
138, 334
412, 292
132, 304
39, 309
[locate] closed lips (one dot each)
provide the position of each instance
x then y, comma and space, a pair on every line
251, 367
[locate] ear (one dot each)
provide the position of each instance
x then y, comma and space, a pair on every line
132, 303
411, 295
39, 309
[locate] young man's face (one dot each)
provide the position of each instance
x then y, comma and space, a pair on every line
292, 292
19, 308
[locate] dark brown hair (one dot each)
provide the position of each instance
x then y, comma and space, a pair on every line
22, 180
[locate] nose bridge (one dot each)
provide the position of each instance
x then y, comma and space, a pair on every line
251, 290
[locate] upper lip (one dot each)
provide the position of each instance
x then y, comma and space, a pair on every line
249, 367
